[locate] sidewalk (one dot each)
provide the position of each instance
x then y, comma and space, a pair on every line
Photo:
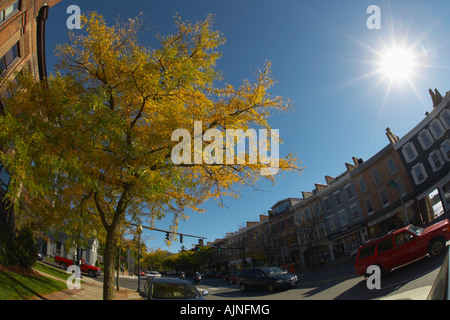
90, 290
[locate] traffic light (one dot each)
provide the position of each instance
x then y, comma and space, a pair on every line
200, 242
167, 236
181, 238
218, 248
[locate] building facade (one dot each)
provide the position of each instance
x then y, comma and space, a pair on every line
425, 154
369, 199
22, 47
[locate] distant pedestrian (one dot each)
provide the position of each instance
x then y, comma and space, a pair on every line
292, 268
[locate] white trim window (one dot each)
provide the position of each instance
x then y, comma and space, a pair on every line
349, 191
355, 212
445, 118
409, 152
368, 205
343, 217
425, 139
9, 11
437, 129
400, 188
362, 184
327, 204
331, 223
337, 197
9, 58
445, 149
391, 165
419, 173
383, 197
376, 176
436, 160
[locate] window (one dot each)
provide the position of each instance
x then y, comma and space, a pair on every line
343, 217
445, 118
355, 212
383, 196
445, 149
8, 59
400, 188
362, 184
425, 139
409, 152
419, 173
331, 223
367, 251
327, 203
436, 128
376, 176
9, 11
402, 238
308, 214
349, 191
391, 165
436, 160
368, 205
385, 245
337, 196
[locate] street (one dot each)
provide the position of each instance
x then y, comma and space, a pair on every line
413, 281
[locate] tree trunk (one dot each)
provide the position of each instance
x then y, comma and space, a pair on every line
109, 259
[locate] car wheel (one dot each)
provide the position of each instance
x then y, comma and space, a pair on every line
243, 287
63, 266
91, 273
435, 248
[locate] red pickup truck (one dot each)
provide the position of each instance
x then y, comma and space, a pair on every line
92, 271
402, 246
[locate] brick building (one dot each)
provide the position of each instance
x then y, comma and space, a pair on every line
22, 47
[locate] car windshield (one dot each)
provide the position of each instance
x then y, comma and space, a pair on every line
163, 290
415, 229
270, 271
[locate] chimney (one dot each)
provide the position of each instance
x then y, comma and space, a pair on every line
306, 194
329, 179
391, 136
435, 97
349, 166
320, 186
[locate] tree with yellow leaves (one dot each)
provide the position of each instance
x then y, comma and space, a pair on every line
93, 144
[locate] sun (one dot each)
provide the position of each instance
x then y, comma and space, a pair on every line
397, 64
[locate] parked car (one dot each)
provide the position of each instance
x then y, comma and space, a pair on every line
92, 271
154, 274
162, 288
269, 278
402, 246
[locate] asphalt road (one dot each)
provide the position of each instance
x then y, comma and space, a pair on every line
413, 281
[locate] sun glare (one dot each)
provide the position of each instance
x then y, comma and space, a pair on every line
397, 64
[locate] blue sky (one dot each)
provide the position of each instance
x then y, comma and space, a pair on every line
325, 60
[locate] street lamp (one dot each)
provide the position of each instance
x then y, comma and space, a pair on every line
139, 231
